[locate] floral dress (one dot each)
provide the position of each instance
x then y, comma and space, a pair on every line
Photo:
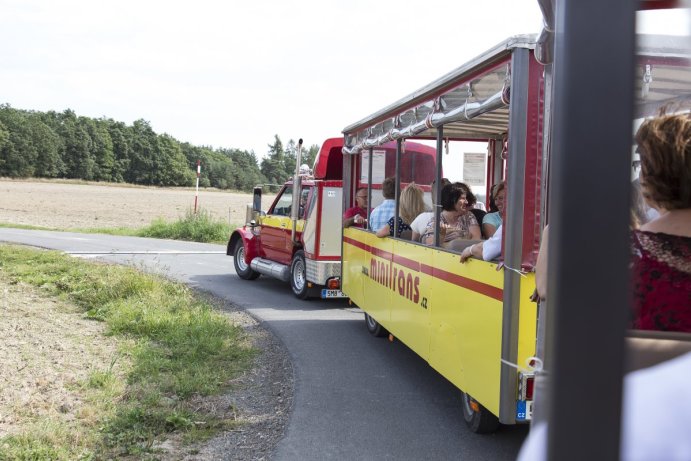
661, 281
458, 229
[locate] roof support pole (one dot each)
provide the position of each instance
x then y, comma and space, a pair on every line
437, 179
588, 281
513, 235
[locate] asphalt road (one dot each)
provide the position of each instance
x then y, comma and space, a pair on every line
356, 397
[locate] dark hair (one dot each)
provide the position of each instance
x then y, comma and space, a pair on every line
664, 144
444, 182
452, 192
388, 187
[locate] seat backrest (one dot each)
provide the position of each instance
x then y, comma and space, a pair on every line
648, 348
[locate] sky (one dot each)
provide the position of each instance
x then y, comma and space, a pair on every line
234, 74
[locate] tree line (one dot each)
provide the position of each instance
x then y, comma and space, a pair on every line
64, 145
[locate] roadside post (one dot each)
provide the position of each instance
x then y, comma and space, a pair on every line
196, 191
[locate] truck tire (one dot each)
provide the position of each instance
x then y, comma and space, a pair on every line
374, 327
478, 418
243, 269
298, 275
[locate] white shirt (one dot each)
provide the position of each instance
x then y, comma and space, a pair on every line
419, 224
491, 248
656, 416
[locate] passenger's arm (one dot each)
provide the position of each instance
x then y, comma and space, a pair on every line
475, 233
384, 231
541, 267
488, 229
415, 237
474, 250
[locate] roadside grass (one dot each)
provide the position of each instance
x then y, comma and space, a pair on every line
199, 227
176, 345
26, 226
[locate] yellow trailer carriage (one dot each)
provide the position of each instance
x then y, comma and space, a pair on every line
473, 322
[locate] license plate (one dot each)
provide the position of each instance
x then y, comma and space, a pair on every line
524, 410
333, 294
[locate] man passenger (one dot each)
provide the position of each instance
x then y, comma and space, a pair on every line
357, 215
386, 209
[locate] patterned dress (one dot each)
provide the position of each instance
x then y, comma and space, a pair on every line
662, 281
401, 226
458, 229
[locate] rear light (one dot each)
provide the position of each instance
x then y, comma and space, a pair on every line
333, 284
529, 386
526, 385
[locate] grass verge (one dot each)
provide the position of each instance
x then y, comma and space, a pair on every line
176, 345
199, 227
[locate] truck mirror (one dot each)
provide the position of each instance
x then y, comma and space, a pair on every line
257, 199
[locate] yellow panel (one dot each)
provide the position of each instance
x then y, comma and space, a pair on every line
527, 322
277, 220
449, 313
466, 326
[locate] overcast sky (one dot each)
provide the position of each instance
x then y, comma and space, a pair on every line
233, 74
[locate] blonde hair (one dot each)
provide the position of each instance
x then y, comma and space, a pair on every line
412, 203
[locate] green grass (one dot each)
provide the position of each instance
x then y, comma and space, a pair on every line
199, 227
175, 343
26, 226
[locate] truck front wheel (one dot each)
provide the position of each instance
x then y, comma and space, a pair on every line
479, 419
241, 267
298, 275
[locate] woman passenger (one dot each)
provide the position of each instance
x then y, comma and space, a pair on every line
411, 204
455, 221
493, 220
662, 247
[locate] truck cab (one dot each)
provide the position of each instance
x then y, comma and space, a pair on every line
298, 239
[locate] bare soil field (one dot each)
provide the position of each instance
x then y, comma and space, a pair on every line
68, 204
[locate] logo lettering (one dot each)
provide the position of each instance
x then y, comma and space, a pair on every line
396, 278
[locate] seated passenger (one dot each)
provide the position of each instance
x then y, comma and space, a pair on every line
357, 215
661, 248
386, 209
493, 220
420, 223
455, 221
477, 212
411, 205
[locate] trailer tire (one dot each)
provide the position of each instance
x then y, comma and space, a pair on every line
478, 418
375, 328
243, 269
298, 275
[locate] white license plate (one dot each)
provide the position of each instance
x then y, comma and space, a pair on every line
333, 294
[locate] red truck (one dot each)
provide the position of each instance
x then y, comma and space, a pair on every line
298, 240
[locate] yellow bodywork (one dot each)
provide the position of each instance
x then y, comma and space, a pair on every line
282, 222
449, 313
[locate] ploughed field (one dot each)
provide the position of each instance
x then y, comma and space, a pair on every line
68, 205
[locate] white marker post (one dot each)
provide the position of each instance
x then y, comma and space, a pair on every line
196, 192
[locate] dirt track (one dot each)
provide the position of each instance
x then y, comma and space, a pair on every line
68, 205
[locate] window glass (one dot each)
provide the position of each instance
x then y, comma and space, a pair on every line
284, 203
